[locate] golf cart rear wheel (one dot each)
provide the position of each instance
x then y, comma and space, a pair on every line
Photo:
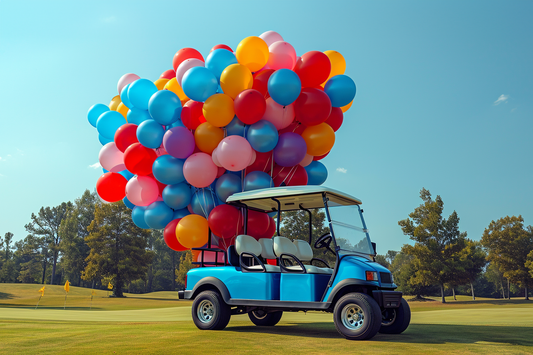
357, 316
210, 312
262, 318
396, 320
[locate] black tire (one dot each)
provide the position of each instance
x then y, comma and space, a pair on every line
261, 318
210, 312
395, 321
357, 316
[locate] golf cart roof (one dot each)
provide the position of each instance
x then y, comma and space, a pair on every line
291, 198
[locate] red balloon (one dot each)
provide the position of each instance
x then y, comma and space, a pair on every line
295, 127
111, 187
312, 107
261, 81
271, 230
263, 162
292, 176
221, 171
169, 235
125, 136
160, 185
139, 159
224, 221
321, 156
221, 46
188, 53
335, 118
191, 114
168, 74
313, 68
250, 106
258, 223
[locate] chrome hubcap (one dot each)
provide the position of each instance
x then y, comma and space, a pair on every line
352, 316
206, 311
260, 314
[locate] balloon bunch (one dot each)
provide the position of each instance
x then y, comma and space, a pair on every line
175, 149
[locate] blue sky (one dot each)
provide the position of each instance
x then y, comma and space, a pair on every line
444, 96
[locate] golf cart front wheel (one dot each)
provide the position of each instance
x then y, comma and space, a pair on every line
262, 318
357, 316
396, 320
210, 312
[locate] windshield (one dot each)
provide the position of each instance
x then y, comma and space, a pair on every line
349, 231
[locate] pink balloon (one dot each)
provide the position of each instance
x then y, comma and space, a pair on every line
254, 156
186, 65
111, 158
199, 170
281, 117
234, 153
282, 55
308, 159
214, 157
161, 151
142, 190
125, 80
270, 37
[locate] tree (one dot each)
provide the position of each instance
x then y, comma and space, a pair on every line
508, 245
437, 240
8, 237
29, 258
473, 259
529, 262
382, 260
7, 269
46, 224
184, 267
404, 270
118, 247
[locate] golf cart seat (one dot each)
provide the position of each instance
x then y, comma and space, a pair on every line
305, 254
287, 250
249, 251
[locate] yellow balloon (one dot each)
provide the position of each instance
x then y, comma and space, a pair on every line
160, 83
319, 139
175, 87
338, 64
218, 110
123, 109
192, 231
207, 137
347, 107
236, 78
113, 105
252, 52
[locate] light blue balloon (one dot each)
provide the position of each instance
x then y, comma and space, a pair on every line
235, 127
263, 136
138, 116
178, 123
203, 202
128, 203
177, 196
218, 60
150, 134
94, 112
316, 173
181, 213
284, 86
140, 92
108, 123
137, 215
340, 89
257, 180
158, 215
124, 96
126, 174
199, 83
227, 185
165, 107
168, 170
103, 140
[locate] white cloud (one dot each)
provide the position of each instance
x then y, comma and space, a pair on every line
95, 166
342, 170
502, 98
109, 19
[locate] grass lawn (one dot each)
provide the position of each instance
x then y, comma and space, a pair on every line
156, 323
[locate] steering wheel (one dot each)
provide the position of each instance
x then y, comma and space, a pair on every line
324, 241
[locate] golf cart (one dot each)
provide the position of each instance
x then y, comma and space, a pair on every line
357, 290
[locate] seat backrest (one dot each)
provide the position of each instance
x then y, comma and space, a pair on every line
283, 245
304, 251
233, 258
247, 244
268, 248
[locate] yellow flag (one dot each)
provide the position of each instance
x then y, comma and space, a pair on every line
109, 286
67, 286
42, 291
93, 293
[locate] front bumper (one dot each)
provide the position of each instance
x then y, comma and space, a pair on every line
387, 299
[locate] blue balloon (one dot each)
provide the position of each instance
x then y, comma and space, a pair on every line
158, 215
263, 136
199, 83
126, 174
140, 92
165, 107
257, 180
203, 201
124, 96
177, 196
219, 90
181, 213
178, 123
316, 173
236, 127
227, 185
128, 203
218, 60
340, 89
150, 134
103, 140
272, 214
94, 112
284, 86
108, 123
168, 170
138, 116
137, 215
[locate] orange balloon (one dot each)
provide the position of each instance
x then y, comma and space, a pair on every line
347, 107
113, 105
160, 83
338, 64
207, 137
235, 79
175, 87
192, 231
218, 110
319, 139
252, 52
123, 109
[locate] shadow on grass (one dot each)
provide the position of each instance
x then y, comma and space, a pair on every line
497, 302
5, 296
416, 333
26, 306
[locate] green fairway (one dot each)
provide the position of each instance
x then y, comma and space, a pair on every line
147, 324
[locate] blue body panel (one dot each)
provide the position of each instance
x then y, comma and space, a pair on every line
303, 287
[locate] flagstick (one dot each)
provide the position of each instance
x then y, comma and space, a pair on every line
38, 301
90, 308
65, 303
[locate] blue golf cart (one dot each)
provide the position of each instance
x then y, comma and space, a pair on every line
357, 290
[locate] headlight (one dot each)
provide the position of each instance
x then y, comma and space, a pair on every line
371, 276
